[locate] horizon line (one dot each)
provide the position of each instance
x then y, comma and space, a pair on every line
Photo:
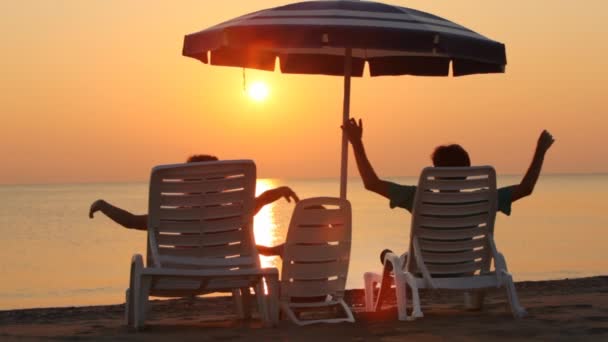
292, 178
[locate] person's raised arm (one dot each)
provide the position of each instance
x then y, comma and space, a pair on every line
371, 181
527, 184
120, 216
273, 195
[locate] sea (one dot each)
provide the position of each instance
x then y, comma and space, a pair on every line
53, 255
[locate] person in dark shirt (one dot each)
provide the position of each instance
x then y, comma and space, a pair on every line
444, 156
140, 222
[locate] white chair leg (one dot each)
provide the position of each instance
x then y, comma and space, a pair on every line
347, 311
290, 314
246, 295
136, 296
143, 301
273, 299
416, 308
370, 282
134, 293
262, 302
129, 319
242, 302
401, 294
517, 310
238, 303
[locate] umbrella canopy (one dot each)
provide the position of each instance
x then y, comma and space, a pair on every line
339, 37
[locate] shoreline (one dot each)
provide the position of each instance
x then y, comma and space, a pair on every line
558, 309
350, 295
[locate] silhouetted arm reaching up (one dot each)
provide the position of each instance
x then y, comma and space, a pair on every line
120, 216
526, 187
273, 195
371, 181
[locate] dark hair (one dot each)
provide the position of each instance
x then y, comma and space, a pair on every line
201, 158
450, 155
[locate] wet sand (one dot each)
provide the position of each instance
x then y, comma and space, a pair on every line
570, 309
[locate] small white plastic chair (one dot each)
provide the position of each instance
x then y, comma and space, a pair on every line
316, 258
451, 244
200, 239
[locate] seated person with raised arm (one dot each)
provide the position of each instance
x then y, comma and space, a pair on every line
447, 155
140, 222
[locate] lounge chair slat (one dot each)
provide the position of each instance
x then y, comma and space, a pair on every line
456, 185
313, 288
454, 209
208, 262
224, 211
178, 226
196, 226
179, 214
315, 271
181, 200
320, 235
210, 251
219, 170
321, 217
192, 239
324, 252
454, 268
450, 246
201, 213
451, 222
454, 257
222, 224
223, 185
455, 172
195, 239
455, 197
202, 186
224, 237
223, 198
200, 200
450, 234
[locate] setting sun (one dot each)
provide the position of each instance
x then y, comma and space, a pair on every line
258, 91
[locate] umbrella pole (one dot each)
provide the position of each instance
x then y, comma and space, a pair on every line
345, 118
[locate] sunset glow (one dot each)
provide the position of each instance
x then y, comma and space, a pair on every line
121, 101
265, 227
258, 91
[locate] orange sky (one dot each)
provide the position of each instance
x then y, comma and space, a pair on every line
99, 91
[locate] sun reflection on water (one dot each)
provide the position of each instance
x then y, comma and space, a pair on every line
265, 227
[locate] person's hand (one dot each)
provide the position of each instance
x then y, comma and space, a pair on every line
287, 193
95, 207
353, 131
545, 140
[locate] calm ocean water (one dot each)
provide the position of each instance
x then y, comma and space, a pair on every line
54, 255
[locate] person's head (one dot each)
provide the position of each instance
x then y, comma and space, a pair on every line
201, 158
450, 155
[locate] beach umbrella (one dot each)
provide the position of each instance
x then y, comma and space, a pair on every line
338, 37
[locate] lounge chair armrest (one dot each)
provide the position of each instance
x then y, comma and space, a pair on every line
394, 260
138, 260
500, 264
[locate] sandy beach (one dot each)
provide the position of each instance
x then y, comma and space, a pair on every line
570, 309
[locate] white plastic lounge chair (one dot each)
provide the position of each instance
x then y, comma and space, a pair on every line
200, 239
451, 239
315, 259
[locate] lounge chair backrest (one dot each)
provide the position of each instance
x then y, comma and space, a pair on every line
201, 215
453, 220
317, 249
